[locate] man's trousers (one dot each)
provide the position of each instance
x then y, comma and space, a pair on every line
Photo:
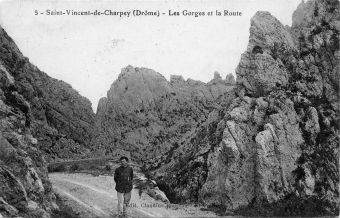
123, 202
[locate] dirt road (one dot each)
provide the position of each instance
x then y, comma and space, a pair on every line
94, 196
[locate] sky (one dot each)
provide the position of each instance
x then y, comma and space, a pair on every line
89, 51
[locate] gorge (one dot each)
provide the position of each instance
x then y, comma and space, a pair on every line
266, 144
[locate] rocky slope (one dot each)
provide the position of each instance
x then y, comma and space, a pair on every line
38, 115
145, 116
24, 186
274, 150
57, 115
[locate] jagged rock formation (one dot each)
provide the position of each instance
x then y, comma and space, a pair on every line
257, 153
257, 71
38, 115
148, 116
24, 186
58, 116
278, 141
230, 79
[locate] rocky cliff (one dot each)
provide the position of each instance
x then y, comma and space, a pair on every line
57, 115
146, 116
274, 150
38, 116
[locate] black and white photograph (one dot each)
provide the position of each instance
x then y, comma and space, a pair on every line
174, 109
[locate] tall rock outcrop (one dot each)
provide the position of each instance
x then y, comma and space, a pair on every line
148, 116
274, 147
257, 71
39, 116
288, 157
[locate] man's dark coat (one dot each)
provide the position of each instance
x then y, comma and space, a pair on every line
123, 178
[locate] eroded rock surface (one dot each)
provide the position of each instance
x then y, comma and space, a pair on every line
24, 186
39, 116
258, 72
60, 119
278, 141
148, 116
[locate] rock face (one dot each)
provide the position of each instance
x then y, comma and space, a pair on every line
58, 116
258, 72
257, 154
38, 115
261, 140
299, 88
148, 116
230, 79
277, 143
24, 186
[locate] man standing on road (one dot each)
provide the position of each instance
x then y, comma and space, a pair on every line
123, 178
